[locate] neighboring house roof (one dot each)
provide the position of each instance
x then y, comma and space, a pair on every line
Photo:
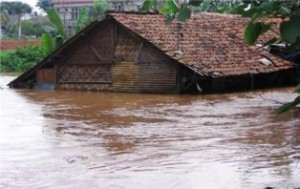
14, 44
87, 1
210, 43
71, 1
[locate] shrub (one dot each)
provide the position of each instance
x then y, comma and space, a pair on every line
20, 60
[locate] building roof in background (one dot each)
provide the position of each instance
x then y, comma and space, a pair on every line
71, 1
91, 1
209, 43
14, 44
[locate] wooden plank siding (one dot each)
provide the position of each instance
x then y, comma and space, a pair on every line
158, 77
45, 75
125, 77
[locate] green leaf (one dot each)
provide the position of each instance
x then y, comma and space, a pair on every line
165, 11
284, 11
47, 43
247, 10
169, 18
195, 3
240, 9
297, 89
285, 107
184, 14
55, 19
147, 6
170, 8
224, 9
48, 29
290, 30
254, 30
171, 4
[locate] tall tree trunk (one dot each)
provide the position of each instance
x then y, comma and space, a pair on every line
19, 27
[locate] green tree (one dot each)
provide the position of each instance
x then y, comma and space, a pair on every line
44, 4
215, 5
31, 28
4, 20
99, 9
83, 19
18, 9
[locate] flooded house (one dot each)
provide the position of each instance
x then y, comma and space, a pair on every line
139, 52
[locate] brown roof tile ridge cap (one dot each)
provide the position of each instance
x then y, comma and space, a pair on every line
131, 12
226, 15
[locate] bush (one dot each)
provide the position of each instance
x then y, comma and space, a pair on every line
20, 60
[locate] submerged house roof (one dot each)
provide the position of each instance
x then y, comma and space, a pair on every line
211, 44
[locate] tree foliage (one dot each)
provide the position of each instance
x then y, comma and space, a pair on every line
83, 19
44, 4
216, 5
57, 22
16, 8
4, 17
289, 28
55, 36
20, 60
30, 28
257, 10
99, 9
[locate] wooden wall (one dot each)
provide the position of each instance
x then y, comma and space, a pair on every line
87, 65
111, 57
125, 77
139, 67
45, 75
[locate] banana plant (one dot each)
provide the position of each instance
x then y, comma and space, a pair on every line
54, 36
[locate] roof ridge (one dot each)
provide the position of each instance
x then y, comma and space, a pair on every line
226, 15
132, 12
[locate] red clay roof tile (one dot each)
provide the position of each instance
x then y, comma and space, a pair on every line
209, 43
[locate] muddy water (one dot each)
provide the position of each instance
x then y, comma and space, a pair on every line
70, 140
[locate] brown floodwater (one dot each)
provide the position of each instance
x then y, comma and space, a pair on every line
76, 139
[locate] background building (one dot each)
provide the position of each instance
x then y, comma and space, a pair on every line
69, 9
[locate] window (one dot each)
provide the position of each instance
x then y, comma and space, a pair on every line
75, 13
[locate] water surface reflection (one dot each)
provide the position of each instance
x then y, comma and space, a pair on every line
73, 139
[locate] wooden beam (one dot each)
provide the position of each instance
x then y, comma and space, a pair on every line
95, 51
